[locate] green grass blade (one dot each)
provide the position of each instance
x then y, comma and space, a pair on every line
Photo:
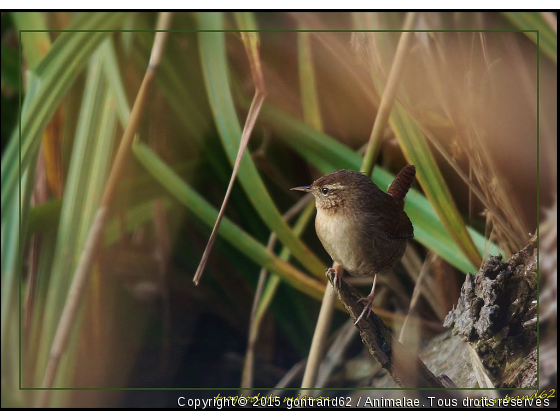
55, 73
91, 157
113, 75
417, 151
215, 68
35, 44
14, 219
534, 21
10, 299
228, 230
307, 83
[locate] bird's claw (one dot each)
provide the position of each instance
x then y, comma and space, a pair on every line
334, 275
367, 308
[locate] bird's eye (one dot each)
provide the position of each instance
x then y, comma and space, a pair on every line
325, 190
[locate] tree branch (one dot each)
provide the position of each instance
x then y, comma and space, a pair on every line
404, 366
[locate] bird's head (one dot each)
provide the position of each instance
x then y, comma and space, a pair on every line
338, 189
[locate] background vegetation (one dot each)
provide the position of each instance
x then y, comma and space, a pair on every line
466, 113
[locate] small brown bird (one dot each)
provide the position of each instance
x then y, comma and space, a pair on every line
364, 230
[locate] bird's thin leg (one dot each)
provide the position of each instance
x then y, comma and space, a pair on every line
336, 272
369, 300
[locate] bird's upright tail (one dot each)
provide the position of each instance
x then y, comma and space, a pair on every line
400, 186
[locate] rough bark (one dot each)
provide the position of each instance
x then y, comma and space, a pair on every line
497, 315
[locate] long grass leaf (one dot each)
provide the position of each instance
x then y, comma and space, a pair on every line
307, 83
417, 151
37, 43
114, 79
35, 46
214, 64
534, 21
87, 174
230, 232
251, 42
14, 220
56, 72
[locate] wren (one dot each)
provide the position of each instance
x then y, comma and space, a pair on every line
364, 230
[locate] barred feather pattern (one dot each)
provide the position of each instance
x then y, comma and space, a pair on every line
400, 186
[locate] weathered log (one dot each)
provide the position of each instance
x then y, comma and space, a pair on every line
497, 315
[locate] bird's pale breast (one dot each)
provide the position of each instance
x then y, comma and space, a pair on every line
356, 247
337, 234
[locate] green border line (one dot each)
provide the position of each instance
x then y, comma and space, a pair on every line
284, 30
20, 243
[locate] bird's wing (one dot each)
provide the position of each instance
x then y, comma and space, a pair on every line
387, 220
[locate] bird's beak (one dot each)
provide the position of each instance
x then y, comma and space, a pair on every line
306, 188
